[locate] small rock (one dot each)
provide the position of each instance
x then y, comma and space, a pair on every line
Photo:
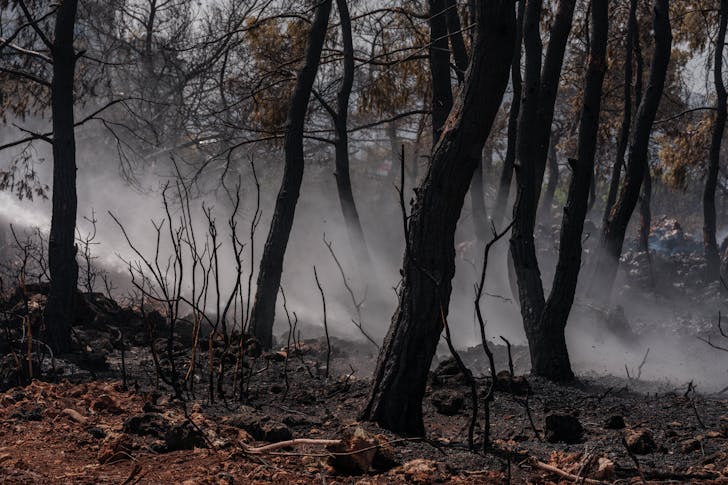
295, 420
25, 414
274, 356
106, 403
448, 372
260, 426
148, 407
147, 424
97, 433
447, 402
505, 382
690, 445
11, 374
614, 422
640, 442
605, 469
274, 432
116, 447
184, 437
563, 428
350, 460
421, 471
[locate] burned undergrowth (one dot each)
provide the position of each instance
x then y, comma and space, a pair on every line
104, 414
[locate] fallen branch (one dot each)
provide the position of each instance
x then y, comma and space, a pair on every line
267, 449
569, 476
289, 443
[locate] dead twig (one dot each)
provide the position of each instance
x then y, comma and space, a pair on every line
468, 375
527, 407
510, 356
481, 322
639, 368
326, 325
359, 322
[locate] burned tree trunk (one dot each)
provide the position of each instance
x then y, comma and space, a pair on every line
627, 112
553, 180
549, 87
460, 56
271, 263
646, 212
439, 67
477, 199
613, 233
545, 329
457, 42
709, 219
59, 311
534, 128
504, 184
340, 117
398, 385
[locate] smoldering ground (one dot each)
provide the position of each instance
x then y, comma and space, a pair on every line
676, 355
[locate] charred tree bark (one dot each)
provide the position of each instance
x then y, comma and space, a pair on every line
545, 321
549, 87
340, 117
646, 221
613, 233
398, 385
457, 42
709, 218
439, 67
553, 180
477, 199
504, 184
59, 311
534, 129
271, 263
460, 56
627, 112
645, 212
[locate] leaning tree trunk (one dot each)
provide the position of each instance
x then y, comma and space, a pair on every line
398, 385
504, 184
613, 233
626, 114
546, 333
59, 311
709, 220
340, 116
439, 68
460, 56
271, 263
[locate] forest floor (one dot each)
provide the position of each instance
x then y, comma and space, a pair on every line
95, 417
85, 429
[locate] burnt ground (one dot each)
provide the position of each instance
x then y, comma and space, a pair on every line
93, 417
90, 429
